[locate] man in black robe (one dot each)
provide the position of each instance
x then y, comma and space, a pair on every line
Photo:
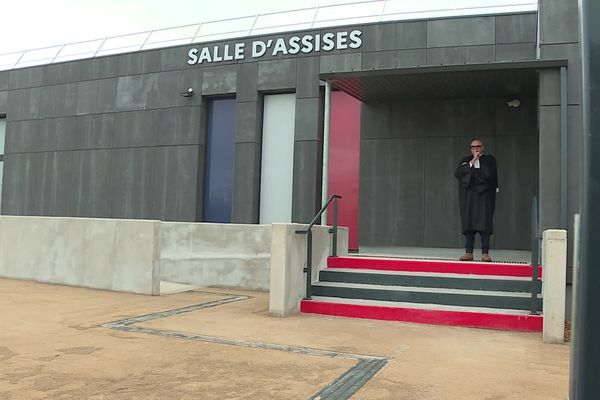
477, 183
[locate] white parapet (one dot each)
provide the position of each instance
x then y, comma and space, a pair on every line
288, 259
554, 260
112, 254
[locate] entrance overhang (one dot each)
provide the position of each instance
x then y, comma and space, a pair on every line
501, 79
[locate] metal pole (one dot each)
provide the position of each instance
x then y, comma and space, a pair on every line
563, 147
335, 228
308, 265
585, 361
324, 187
535, 245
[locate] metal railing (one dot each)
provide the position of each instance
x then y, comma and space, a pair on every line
351, 12
535, 257
308, 233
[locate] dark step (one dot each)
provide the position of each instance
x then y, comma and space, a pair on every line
467, 282
452, 297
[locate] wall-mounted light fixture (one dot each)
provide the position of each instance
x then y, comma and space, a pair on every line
513, 103
188, 93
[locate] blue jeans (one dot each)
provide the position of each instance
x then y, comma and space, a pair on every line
470, 241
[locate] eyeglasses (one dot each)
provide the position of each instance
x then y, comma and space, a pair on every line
476, 146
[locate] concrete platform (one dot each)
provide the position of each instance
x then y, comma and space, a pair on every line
519, 256
67, 342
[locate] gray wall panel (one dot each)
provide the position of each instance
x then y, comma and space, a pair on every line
23, 104
96, 96
92, 178
247, 82
248, 122
21, 136
341, 62
246, 183
516, 158
95, 131
65, 130
178, 126
99, 68
394, 58
306, 191
62, 184
307, 77
58, 100
391, 192
4, 80
136, 128
572, 53
139, 63
442, 226
137, 92
175, 58
516, 28
559, 22
308, 121
549, 166
461, 31
33, 198
25, 77
14, 183
395, 36
277, 74
62, 73
460, 55
219, 80
175, 199
549, 87
133, 177
516, 52
3, 102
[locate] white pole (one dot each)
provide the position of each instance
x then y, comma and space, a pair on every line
325, 150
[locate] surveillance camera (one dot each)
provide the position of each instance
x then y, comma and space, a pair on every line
188, 93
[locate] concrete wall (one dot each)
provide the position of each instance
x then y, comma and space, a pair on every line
409, 150
288, 260
226, 255
120, 255
122, 142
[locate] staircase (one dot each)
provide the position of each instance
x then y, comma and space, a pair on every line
481, 295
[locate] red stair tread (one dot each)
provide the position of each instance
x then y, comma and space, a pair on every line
449, 267
510, 322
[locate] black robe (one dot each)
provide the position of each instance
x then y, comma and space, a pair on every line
477, 193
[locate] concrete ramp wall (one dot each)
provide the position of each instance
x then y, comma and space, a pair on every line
111, 254
226, 255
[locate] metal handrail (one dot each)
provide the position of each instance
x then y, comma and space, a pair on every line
308, 233
535, 259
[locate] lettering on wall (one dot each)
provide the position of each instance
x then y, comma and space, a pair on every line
278, 46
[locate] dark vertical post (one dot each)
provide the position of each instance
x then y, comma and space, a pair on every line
535, 259
335, 228
563, 147
585, 362
308, 265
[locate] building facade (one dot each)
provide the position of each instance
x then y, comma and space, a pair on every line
233, 131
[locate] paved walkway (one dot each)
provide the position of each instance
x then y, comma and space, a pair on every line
60, 342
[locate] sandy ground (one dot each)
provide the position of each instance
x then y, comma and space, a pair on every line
53, 346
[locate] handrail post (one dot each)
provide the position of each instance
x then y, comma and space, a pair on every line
534, 256
334, 230
308, 268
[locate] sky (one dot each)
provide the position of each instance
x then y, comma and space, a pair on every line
31, 24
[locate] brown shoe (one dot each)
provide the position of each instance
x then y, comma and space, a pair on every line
486, 258
467, 257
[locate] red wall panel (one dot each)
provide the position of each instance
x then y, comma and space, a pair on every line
344, 157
